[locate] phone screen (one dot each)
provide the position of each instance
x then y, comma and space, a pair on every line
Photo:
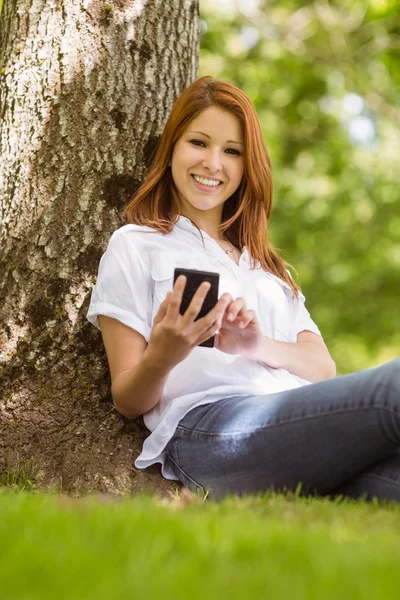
193, 279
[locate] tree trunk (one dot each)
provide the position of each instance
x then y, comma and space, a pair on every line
85, 90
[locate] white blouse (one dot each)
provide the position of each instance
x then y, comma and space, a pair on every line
137, 271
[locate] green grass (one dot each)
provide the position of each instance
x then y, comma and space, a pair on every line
19, 475
54, 547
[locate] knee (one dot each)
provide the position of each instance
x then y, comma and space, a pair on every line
391, 374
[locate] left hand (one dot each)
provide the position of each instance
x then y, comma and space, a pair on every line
240, 332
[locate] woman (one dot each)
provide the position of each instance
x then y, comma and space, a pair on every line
262, 409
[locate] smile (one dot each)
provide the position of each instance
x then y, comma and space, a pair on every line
207, 182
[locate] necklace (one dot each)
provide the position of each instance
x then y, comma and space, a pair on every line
230, 251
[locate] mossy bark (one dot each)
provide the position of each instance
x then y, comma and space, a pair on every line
85, 90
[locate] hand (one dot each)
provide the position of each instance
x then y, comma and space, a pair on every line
174, 336
240, 332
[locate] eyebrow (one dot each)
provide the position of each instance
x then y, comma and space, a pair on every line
207, 136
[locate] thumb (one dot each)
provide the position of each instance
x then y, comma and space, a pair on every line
162, 311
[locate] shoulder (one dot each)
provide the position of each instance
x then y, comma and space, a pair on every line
135, 236
289, 293
131, 230
139, 245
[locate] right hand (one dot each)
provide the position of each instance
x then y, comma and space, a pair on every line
173, 335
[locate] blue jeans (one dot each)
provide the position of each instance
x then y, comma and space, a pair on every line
338, 436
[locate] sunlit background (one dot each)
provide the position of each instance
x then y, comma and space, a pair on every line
324, 77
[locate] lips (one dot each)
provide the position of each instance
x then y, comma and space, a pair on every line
194, 176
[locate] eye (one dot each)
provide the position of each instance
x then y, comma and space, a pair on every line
197, 143
233, 151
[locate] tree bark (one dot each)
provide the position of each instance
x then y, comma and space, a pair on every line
85, 90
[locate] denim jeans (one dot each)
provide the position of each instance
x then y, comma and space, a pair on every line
338, 436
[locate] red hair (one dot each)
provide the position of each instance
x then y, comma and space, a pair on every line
245, 214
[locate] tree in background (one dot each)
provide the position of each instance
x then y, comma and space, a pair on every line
325, 78
85, 90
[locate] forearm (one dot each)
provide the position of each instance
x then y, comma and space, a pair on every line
307, 360
138, 390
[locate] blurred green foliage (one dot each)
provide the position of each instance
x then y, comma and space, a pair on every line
324, 78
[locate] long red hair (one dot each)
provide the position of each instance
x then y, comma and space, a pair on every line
245, 214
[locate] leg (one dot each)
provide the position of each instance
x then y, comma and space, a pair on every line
320, 435
381, 481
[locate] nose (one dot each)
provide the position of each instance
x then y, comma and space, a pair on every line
212, 161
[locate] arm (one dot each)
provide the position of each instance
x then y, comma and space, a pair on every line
307, 358
139, 370
137, 380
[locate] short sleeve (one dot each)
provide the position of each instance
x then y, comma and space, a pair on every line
301, 317
123, 288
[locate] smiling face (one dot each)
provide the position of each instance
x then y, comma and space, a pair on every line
207, 164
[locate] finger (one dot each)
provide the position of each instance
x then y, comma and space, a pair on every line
176, 295
180, 283
196, 302
213, 318
251, 315
218, 311
181, 278
245, 319
233, 319
235, 308
162, 311
210, 331
222, 304
240, 318
164, 303
208, 325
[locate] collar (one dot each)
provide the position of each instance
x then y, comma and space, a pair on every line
186, 224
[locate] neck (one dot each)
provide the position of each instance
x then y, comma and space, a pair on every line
218, 238
206, 222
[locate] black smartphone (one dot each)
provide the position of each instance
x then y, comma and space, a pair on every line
193, 279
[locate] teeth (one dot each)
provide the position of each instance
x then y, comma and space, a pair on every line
210, 182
